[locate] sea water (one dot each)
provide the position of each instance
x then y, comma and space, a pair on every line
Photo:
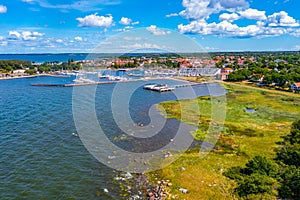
41, 158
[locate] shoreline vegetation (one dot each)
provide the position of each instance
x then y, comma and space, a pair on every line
245, 136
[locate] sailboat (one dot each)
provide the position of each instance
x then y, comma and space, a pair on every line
81, 78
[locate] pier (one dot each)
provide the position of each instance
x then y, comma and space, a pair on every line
155, 87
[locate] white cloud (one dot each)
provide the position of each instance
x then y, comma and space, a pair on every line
59, 41
78, 38
14, 34
135, 23
3, 9
24, 35
156, 31
128, 27
202, 27
248, 14
94, 20
196, 9
172, 15
281, 19
273, 25
202, 9
125, 21
226, 28
229, 17
253, 14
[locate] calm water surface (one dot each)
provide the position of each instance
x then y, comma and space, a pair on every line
41, 159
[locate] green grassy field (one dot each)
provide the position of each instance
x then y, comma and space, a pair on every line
245, 135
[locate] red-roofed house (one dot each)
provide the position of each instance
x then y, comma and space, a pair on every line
295, 86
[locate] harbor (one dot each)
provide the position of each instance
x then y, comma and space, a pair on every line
150, 86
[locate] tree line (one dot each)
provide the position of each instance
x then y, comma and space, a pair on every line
8, 66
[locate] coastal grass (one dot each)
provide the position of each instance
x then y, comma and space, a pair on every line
244, 136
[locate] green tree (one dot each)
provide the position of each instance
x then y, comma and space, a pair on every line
257, 185
290, 183
261, 165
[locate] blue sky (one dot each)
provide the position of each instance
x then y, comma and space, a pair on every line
57, 26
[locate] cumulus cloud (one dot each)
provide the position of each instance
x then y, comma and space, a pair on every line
226, 28
125, 21
281, 19
202, 9
273, 25
94, 20
156, 31
195, 9
229, 17
3, 9
253, 14
24, 35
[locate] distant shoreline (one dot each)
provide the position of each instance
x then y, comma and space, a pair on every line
20, 77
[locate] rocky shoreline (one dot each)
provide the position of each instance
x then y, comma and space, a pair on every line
137, 186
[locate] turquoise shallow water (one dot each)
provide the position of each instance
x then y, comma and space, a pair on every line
41, 159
